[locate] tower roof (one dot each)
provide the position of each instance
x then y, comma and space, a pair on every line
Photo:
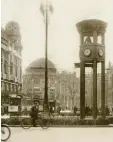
88, 26
12, 28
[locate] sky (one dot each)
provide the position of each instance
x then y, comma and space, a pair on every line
63, 38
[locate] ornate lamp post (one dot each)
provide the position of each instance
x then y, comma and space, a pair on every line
45, 9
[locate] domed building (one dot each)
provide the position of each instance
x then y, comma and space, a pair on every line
34, 81
11, 68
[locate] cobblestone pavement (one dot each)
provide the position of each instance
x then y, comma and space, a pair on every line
61, 135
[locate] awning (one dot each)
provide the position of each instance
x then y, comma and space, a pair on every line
15, 96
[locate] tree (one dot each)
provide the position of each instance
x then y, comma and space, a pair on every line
71, 83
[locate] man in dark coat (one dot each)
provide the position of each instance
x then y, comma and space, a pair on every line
34, 113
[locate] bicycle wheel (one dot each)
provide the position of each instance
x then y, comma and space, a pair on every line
44, 123
5, 132
26, 123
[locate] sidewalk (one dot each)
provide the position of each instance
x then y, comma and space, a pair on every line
61, 135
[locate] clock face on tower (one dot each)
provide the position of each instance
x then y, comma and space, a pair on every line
101, 52
87, 52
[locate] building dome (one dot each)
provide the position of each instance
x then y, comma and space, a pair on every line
40, 63
12, 29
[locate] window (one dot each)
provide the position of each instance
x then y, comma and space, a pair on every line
9, 87
16, 72
37, 89
5, 87
11, 58
2, 100
16, 65
2, 86
20, 88
1, 66
12, 87
6, 56
13, 101
2, 54
99, 40
11, 68
52, 90
5, 66
15, 61
16, 88
6, 100
88, 39
37, 80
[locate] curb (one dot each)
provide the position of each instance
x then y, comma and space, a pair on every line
70, 126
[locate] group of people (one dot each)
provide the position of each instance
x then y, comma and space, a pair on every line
88, 110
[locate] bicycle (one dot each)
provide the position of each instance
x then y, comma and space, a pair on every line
5, 132
42, 121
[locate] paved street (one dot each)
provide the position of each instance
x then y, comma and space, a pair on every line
62, 135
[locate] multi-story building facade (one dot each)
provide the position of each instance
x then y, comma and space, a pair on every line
11, 64
34, 81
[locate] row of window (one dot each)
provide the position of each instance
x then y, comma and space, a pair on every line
4, 68
8, 87
27, 102
13, 58
13, 65
40, 89
37, 80
11, 101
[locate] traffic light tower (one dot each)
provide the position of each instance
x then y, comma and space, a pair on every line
92, 52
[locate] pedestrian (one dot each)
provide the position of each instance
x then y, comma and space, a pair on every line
86, 110
34, 113
75, 110
51, 110
58, 110
25, 111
